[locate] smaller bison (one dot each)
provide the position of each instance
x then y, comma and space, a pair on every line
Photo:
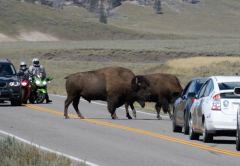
116, 85
164, 89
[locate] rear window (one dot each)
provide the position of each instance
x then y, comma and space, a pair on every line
228, 85
229, 95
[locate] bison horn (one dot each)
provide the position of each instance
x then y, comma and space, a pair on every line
136, 80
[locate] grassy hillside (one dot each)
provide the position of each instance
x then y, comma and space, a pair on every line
70, 23
208, 18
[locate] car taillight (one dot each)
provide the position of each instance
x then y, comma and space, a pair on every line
24, 83
216, 105
217, 97
193, 99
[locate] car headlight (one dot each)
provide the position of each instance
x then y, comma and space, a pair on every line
44, 82
38, 82
14, 83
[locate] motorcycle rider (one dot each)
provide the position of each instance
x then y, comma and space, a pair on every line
23, 70
36, 68
24, 75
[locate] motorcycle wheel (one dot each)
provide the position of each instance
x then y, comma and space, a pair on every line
32, 99
24, 100
40, 97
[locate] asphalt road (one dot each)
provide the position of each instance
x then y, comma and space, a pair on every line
106, 142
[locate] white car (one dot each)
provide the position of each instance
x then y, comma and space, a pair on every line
237, 91
214, 112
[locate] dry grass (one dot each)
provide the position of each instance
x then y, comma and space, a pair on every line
188, 68
14, 153
198, 62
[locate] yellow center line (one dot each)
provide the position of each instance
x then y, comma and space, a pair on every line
140, 131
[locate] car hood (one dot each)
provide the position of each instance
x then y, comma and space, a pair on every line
8, 79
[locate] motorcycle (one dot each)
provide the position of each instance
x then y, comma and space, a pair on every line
38, 88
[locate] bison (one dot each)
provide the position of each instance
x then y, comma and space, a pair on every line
164, 89
116, 85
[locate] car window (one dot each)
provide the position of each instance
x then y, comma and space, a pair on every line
209, 88
202, 90
228, 85
192, 87
198, 85
186, 89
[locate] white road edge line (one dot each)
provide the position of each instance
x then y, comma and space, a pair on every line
47, 149
102, 104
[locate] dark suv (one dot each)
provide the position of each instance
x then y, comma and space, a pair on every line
10, 86
183, 104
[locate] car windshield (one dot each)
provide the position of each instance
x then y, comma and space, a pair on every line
228, 85
7, 70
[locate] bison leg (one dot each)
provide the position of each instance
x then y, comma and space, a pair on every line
166, 108
68, 101
133, 110
75, 106
112, 109
127, 112
158, 109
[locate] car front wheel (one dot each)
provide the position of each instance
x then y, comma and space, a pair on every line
192, 134
238, 139
186, 124
175, 128
207, 137
16, 102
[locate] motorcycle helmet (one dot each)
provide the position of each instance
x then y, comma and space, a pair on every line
23, 65
35, 62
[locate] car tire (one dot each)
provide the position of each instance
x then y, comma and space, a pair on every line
175, 128
186, 124
207, 137
238, 139
16, 102
192, 134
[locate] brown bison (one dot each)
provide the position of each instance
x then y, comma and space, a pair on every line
116, 85
164, 89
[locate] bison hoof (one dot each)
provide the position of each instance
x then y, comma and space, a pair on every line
66, 116
129, 117
114, 117
81, 117
159, 117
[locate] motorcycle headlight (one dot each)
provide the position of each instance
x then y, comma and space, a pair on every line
44, 82
15, 83
38, 82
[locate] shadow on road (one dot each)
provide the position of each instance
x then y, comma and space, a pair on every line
123, 119
228, 142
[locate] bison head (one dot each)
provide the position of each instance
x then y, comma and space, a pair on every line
141, 89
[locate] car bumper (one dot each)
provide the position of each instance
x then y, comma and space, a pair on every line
10, 94
220, 122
